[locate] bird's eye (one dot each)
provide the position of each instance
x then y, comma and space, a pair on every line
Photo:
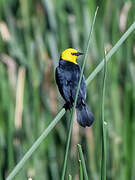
73, 53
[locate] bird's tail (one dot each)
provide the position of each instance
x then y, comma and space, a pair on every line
84, 116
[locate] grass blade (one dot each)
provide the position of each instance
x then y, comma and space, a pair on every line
19, 98
83, 161
77, 92
103, 160
70, 177
81, 171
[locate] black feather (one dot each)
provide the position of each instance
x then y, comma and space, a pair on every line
84, 116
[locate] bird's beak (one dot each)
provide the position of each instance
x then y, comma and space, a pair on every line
77, 54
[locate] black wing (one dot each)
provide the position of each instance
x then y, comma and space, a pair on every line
63, 82
82, 91
68, 82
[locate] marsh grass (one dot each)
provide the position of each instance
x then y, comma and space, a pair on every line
83, 162
81, 171
62, 112
31, 35
104, 125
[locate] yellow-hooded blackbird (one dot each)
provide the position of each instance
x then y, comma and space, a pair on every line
67, 78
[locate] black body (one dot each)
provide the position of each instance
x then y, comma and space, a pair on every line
67, 78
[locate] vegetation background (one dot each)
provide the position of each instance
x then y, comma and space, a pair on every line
32, 35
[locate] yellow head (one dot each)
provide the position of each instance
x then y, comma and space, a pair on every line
70, 55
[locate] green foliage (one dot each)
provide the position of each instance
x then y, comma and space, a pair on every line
32, 35
83, 162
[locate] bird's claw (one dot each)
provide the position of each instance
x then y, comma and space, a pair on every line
68, 106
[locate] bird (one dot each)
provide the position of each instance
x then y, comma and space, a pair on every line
67, 75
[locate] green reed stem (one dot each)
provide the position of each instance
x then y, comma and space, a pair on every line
81, 170
83, 161
77, 92
70, 177
103, 160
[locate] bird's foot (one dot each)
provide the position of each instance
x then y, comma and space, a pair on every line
68, 106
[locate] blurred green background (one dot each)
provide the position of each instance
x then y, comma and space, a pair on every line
32, 35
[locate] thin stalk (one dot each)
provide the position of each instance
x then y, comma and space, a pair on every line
103, 160
70, 177
62, 112
111, 52
83, 161
77, 92
81, 170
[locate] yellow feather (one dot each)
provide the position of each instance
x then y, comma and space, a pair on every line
67, 55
